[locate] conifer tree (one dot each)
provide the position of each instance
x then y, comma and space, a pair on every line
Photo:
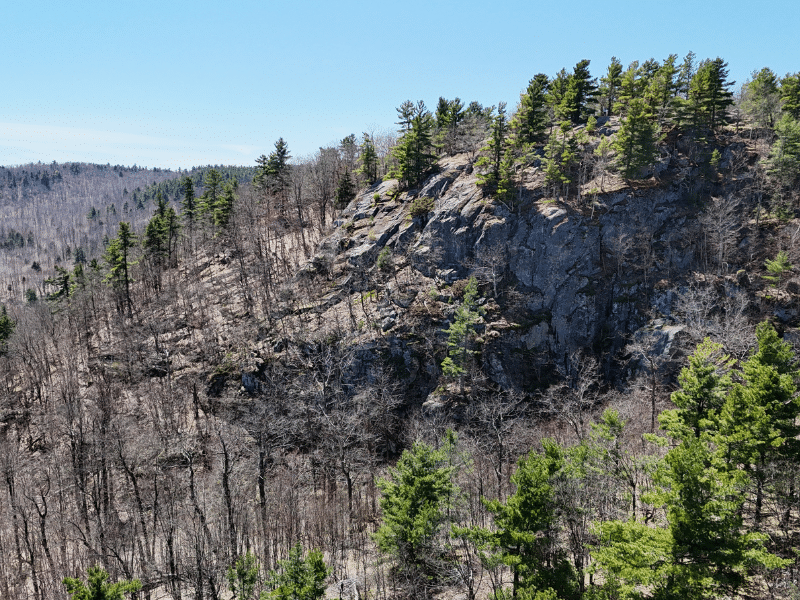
61, 281
413, 154
609, 85
413, 501
790, 95
298, 577
119, 262
709, 96
369, 161
637, 140
97, 588
7, 326
345, 191
530, 121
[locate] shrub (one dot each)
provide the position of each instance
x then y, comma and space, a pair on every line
421, 206
384, 261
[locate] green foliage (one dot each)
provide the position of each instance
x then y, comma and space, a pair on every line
421, 206
412, 154
720, 433
243, 577
531, 119
119, 261
609, 85
7, 326
460, 332
560, 153
98, 588
637, 140
703, 386
777, 267
298, 578
783, 163
523, 536
369, 160
761, 97
61, 281
345, 191
414, 499
384, 262
709, 97
30, 296
790, 95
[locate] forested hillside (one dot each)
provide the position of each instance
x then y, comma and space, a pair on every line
536, 353
60, 214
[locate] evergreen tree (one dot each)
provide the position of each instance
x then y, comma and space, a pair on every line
459, 333
414, 499
61, 281
685, 75
661, 88
783, 163
273, 174
369, 161
637, 140
225, 204
212, 184
609, 85
7, 326
761, 97
530, 121
298, 578
559, 158
345, 191
413, 154
98, 588
631, 87
580, 93
494, 150
758, 419
119, 262
243, 577
709, 97
524, 529
790, 95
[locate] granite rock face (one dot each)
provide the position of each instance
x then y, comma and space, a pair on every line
584, 273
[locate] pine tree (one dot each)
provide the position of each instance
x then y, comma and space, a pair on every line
7, 327
790, 95
758, 420
609, 86
119, 262
369, 161
495, 150
413, 154
460, 332
225, 204
709, 97
414, 498
530, 121
61, 281
783, 163
298, 577
579, 95
524, 528
345, 191
637, 140
97, 588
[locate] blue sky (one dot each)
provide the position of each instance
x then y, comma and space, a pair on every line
176, 84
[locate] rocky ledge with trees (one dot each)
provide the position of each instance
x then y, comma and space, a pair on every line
541, 353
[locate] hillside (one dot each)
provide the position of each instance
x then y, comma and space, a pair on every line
441, 378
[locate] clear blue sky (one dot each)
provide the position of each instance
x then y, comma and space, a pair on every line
176, 84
